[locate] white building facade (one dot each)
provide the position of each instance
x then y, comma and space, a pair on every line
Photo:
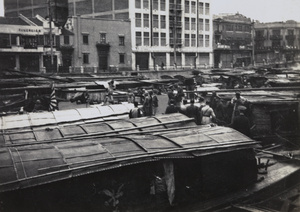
170, 34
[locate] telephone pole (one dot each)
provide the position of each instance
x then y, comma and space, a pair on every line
50, 33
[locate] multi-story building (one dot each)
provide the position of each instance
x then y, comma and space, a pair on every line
277, 42
164, 33
232, 41
93, 45
26, 44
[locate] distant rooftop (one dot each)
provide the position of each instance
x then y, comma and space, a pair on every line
12, 21
229, 17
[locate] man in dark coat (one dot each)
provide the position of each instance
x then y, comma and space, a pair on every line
241, 123
192, 111
171, 108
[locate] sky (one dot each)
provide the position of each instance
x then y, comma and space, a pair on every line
261, 10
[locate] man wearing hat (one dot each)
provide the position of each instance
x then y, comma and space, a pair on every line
241, 123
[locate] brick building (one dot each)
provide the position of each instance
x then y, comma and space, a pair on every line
232, 41
277, 42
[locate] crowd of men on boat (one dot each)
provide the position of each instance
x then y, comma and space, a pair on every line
204, 110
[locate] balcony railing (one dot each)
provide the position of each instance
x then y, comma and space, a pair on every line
102, 44
261, 37
66, 47
178, 42
276, 37
290, 37
217, 32
175, 7
178, 24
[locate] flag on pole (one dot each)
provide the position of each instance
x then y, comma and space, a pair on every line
53, 102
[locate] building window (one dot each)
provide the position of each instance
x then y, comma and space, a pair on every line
200, 40
155, 39
193, 7
85, 39
290, 32
85, 58
290, 37
201, 24
163, 5
4, 40
146, 4
239, 28
229, 27
138, 4
187, 7
66, 40
138, 38
193, 23
193, 40
201, 9
121, 40
276, 32
138, 20
276, 43
155, 4
26, 41
186, 39
206, 8
186, 23
46, 41
121, 58
162, 22
41, 40
146, 39
206, 25
14, 39
155, 21
206, 40
146, 20
247, 28
102, 37
259, 44
163, 39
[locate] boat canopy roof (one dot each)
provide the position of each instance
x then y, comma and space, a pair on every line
100, 113
61, 132
32, 165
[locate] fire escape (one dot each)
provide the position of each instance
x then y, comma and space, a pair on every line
175, 26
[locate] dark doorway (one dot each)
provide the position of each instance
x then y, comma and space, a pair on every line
103, 61
30, 63
7, 62
50, 68
142, 60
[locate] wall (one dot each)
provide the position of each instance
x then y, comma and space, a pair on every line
93, 27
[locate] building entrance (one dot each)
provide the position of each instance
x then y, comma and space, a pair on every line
142, 60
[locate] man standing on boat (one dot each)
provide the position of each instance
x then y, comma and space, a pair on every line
237, 101
154, 102
241, 123
147, 105
135, 112
192, 111
171, 108
207, 113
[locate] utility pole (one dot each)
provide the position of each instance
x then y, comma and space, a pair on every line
253, 44
175, 32
50, 33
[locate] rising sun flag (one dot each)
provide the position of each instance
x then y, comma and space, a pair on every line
53, 102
